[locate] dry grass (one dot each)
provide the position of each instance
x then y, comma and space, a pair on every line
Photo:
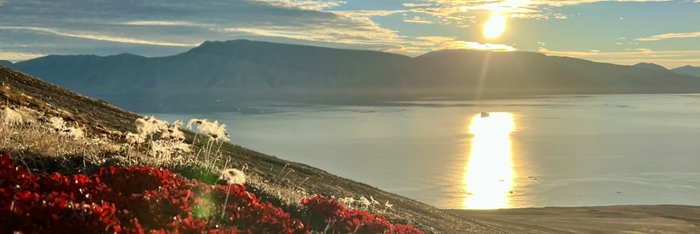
38, 134
38, 138
48, 143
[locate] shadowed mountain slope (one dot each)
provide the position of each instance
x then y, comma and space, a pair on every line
219, 73
687, 70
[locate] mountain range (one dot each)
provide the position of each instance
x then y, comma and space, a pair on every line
216, 74
687, 70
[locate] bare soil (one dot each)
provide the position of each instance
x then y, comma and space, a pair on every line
600, 219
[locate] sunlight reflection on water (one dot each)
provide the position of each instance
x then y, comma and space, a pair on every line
488, 178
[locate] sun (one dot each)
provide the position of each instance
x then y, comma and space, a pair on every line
495, 25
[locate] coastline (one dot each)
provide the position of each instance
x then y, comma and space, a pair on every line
592, 219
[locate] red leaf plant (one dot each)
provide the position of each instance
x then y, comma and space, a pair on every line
332, 216
140, 199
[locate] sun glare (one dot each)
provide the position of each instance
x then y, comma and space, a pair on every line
495, 25
489, 173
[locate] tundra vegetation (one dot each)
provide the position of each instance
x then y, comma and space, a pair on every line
55, 174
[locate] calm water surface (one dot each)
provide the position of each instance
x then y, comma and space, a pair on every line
554, 151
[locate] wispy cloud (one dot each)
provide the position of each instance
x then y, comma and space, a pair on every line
667, 36
316, 5
18, 56
181, 23
159, 23
438, 43
98, 37
668, 58
164, 27
346, 27
458, 12
489, 46
368, 13
315, 34
417, 20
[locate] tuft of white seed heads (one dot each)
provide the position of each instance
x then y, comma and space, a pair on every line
214, 130
232, 176
150, 125
173, 131
374, 202
9, 116
132, 138
388, 205
164, 140
364, 202
59, 125
347, 201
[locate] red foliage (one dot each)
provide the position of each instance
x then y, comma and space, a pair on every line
132, 200
327, 213
143, 199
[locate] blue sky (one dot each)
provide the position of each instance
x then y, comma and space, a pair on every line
622, 32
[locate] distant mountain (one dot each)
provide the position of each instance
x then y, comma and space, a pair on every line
5, 63
651, 66
687, 70
217, 74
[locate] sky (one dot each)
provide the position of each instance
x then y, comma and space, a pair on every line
621, 31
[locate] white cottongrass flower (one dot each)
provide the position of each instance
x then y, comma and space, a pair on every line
193, 122
348, 201
388, 205
75, 133
364, 202
159, 149
29, 116
181, 146
59, 125
232, 176
374, 202
132, 138
10, 117
173, 131
215, 130
163, 140
148, 126
166, 148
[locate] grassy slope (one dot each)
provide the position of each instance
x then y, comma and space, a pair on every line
98, 117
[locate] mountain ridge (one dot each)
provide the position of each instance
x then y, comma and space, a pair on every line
651, 66
220, 72
688, 70
6, 63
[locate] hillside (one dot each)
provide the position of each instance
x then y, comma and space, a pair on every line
21, 91
687, 70
216, 74
275, 180
651, 66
